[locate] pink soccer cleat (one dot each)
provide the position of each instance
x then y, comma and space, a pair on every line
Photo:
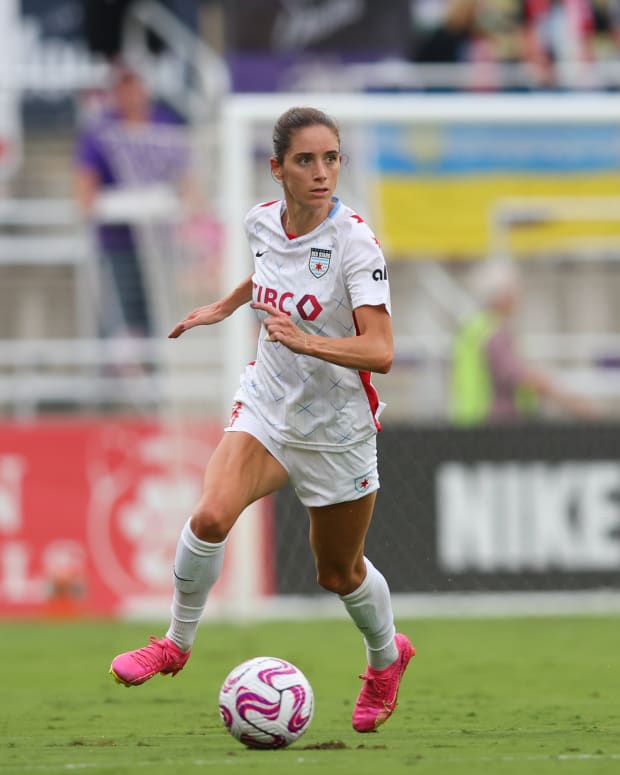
377, 700
135, 667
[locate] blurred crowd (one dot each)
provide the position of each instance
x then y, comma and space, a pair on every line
550, 44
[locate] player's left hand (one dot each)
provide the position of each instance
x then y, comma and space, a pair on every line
201, 316
280, 328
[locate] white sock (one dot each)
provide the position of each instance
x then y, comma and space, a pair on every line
197, 566
370, 607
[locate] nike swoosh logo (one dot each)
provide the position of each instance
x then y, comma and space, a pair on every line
180, 578
260, 253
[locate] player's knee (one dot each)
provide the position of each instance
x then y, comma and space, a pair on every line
209, 523
340, 581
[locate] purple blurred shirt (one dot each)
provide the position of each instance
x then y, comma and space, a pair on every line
507, 371
121, 154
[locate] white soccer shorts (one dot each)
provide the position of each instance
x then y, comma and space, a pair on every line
319, 478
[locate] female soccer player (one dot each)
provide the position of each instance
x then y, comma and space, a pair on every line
306, 411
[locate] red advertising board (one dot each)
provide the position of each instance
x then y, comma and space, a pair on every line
91, 510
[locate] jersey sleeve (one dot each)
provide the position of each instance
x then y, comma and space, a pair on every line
365, 269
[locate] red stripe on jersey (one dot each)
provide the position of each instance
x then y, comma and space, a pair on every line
372, 395
267, 204
235, 411
369, 388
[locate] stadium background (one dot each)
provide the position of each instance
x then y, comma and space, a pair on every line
100, 463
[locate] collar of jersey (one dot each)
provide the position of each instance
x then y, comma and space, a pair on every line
332, 213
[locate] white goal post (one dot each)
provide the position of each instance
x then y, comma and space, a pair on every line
240, 115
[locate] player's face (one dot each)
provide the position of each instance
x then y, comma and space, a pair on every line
309, 171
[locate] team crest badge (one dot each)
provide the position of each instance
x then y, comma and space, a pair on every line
319, 261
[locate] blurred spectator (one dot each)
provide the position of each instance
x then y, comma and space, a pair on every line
449, 40
606, 29
467, 33
491, 382
558, 33
135, 145
502, 21
557, 41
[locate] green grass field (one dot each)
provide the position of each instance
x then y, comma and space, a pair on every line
492, 696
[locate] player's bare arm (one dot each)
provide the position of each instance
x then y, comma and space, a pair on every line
371, 350
217, 311
548, 388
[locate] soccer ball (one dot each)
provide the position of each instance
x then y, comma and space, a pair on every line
266, 702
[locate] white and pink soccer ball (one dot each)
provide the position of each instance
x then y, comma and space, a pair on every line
266, 702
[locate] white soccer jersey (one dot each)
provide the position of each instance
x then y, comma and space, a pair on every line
318, 279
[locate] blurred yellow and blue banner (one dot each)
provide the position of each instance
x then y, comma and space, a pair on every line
438, 185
